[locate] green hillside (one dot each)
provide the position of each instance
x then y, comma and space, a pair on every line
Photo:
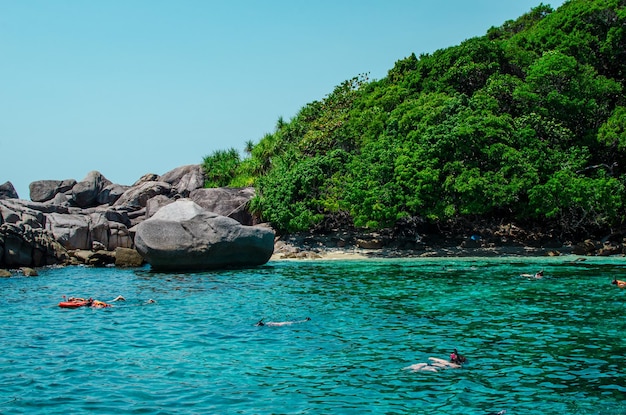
524, 124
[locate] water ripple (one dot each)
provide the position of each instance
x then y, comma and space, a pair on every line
551, 346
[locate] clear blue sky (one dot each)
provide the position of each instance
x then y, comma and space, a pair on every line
129, 87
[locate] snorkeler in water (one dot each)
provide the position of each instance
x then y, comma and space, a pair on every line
281, 323
619, 283
537, 275
456, 358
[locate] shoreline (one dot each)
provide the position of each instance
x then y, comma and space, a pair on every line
290, 251
487, 242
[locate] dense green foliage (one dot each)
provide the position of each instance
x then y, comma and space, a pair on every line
526, 123
221, 167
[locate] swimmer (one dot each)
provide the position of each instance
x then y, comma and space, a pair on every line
502, 412
281, 323
78, 299
90, 302
121, 298
443, 364
456, 358
536, 276
75, 302
619, 283
98, 304
434, 365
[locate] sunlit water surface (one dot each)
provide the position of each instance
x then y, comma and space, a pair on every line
549, 346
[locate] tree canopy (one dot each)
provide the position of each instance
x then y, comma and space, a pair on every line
525, 123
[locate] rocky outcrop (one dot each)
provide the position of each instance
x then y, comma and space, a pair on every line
110, 193
85, 193
136, 197
29, 272
93, 221
185, 236
72, 230
22, 245
229, 202
45, 190
7, 191
125, 258
185, 179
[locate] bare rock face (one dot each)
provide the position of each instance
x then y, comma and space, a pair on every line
110, 193
153, 205
126, 258
184, 236
45, 190
185, 179
137, 196
7, 191
226, 202
85, 192
72, 230
38, 234
26, 246
148, 177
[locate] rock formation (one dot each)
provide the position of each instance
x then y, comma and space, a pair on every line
185, 236
65, 218
45, 190
226, 202
7, 191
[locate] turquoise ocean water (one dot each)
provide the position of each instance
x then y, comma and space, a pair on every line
549, 346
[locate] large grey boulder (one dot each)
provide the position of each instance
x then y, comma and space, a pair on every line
231, 202
7, 191
126, 257
44, 190
137, 196
185, 179
24, 241
72, 230
104, 227
60, 199
148, 177
156, 203
85, 193
184, 236
119, 236
26, 246
21, 213
110, 193
99, 229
